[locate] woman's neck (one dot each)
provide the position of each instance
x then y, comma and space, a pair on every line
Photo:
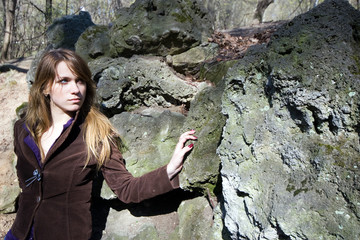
59, 119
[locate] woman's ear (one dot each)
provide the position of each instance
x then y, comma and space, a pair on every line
46, 90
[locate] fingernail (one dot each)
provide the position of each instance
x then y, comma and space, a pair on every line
191, 145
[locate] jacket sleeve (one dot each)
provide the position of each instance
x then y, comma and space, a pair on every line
130, 189
17, 131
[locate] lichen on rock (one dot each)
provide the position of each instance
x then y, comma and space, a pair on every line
290, 146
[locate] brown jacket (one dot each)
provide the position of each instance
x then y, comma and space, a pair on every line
57, 200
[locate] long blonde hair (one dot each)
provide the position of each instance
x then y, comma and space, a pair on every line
99, 133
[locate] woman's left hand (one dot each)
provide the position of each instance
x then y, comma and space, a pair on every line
176, 163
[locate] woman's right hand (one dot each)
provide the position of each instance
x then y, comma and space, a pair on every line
176, 163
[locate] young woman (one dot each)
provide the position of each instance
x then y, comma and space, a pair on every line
61, 144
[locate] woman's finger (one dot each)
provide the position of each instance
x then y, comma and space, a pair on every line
187, 136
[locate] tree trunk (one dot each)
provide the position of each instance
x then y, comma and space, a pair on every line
9, 9
48, 12
260, 9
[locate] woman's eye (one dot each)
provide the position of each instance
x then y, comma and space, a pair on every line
63, 81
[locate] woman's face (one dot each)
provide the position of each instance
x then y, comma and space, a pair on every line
67, 93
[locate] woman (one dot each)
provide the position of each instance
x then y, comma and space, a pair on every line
61, 144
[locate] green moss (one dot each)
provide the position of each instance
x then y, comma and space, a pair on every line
340, 154
290, 188
215, 71
20, 110
130, 108
182, 17
304, 40
340, 163
329, 148
298, 191
356, 70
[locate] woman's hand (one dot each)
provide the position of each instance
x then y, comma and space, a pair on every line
176, 163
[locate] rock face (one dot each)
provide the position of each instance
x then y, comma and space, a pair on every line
156, 27
128, 84
160, 26
290, 150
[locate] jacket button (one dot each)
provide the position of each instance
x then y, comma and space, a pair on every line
38, 198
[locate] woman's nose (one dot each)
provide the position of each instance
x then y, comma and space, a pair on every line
74, 87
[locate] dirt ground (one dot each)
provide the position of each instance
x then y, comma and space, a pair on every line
13, 92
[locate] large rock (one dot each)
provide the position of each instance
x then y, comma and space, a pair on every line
230, 14
94, 43
288, 9
195, 220
65, 31
127, 84
190, 62
160, 27
290, 148
150, 137
201, 168
62, 33
9, 194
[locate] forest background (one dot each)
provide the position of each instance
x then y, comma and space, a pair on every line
24, 22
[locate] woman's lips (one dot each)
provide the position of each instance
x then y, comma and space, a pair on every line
75, 100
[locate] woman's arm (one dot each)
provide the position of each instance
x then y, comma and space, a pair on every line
135, 189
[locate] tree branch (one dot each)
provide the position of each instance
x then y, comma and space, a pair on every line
37, 7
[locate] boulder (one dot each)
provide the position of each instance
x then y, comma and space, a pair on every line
195, 220
159, 27
128, 84
62, 33
9, 194
150, 137
190, 62
94, 42
230, 14
202, 166
290, 145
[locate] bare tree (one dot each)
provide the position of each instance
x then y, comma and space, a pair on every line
260, 9
9, 21
48, 12
25, 33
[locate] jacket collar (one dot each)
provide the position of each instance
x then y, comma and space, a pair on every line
29, 141
64, 135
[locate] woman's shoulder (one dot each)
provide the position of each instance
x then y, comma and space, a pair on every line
19, 123
20, 126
